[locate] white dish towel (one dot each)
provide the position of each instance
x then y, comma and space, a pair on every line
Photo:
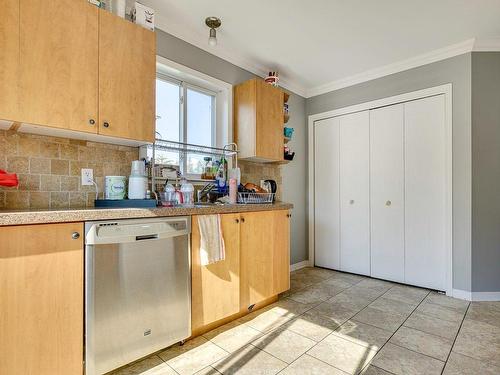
212, 248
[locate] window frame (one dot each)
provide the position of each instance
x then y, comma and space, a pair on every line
184, 86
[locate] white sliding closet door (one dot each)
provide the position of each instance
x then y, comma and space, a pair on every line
326, 198
354, 193
387, 192
425, 193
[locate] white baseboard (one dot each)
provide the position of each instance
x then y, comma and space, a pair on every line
486, 296
462, 294
476, 296
298, 266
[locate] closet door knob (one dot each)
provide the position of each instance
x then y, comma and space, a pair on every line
75, 235
237, 221
92, 121
242, 219
351, 201
106, 124
388, 203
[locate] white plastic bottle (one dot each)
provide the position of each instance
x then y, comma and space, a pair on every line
187, 190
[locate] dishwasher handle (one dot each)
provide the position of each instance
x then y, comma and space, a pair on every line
147, 237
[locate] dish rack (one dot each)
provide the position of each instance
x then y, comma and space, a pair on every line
255, 198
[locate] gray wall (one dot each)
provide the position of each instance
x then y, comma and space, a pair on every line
456, 70
486, 171
294, 173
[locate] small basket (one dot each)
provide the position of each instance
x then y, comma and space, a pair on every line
255, 198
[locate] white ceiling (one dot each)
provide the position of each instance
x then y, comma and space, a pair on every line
318, 44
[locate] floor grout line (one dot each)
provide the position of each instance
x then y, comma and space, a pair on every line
378, 351
455, 339
309, 307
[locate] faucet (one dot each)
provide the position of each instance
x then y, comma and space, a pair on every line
204, 192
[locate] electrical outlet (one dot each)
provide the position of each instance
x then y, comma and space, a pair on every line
87, 176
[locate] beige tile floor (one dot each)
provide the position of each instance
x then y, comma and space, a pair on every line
337, 323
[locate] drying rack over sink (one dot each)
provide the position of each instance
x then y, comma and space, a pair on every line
229, 150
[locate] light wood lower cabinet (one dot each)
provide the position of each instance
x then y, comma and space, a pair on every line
265, 255
257, 240
216, 287
256, 267
281, 253
41, 299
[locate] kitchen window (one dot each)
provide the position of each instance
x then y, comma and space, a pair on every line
184, 113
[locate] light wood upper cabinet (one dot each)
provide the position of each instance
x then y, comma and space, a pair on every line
281, 254
41, 294
9, 57
127, 71
216, 287
59, 64
258, 121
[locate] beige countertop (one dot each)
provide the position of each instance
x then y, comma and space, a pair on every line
23, 217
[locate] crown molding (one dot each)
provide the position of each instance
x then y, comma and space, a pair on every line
194, 39
423, 59
487, 45
466, 46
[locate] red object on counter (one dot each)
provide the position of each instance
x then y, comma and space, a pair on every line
8, 179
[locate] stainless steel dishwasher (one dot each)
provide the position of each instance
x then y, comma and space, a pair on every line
137, 289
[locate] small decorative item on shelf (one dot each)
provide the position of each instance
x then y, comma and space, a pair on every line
97, 3
288, 132
272, 79
288, 155
286, 114
144, 16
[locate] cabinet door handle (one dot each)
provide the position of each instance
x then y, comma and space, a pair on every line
75, 235
92, 121
242, 219
106, 124
237, 221
388, 203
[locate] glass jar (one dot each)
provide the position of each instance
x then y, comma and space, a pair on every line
208, 169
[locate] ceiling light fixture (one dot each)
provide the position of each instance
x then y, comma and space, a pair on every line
213, 23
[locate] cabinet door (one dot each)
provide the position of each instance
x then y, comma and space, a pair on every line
256, 256
354, 193
58, 64
9, 60
41, 289
387, 193
127, 78
425, 193
269, 126
281, 254
216, 287
326, 193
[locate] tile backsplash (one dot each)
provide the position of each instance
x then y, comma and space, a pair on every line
48, 169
